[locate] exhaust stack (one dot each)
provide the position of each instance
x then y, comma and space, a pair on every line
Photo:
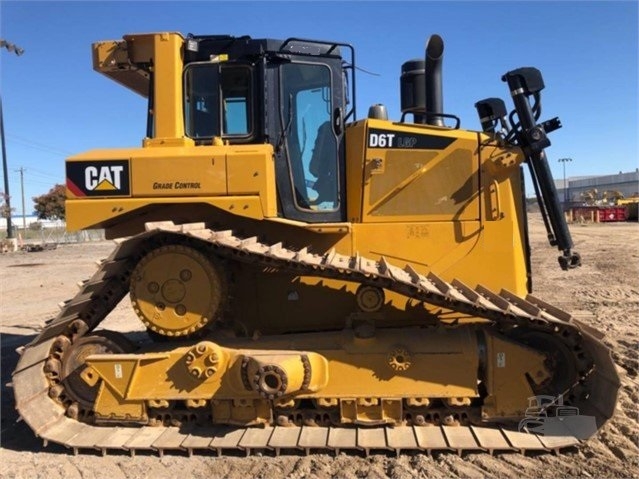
434, 91
421, 85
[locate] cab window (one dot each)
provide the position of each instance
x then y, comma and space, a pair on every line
218, 101
312, 147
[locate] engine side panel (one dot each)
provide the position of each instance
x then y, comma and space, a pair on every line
105, 185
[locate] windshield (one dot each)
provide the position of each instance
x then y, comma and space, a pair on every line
310, 140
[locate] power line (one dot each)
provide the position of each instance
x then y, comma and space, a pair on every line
41, 182
43, 175
38, 146
42, 172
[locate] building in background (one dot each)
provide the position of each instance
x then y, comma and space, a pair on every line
580, 189
31, 222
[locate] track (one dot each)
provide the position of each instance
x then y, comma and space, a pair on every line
595, 393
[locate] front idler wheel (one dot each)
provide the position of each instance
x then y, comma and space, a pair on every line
73, 363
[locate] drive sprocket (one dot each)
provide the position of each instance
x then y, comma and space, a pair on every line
176, 290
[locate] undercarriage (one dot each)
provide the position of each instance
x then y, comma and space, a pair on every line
194, 383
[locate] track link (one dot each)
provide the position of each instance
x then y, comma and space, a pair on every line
595, 392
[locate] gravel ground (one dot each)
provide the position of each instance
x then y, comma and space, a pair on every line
604, 292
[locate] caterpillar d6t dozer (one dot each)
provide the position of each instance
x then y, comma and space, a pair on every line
310, 280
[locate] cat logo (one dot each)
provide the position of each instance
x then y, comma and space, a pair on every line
103, 178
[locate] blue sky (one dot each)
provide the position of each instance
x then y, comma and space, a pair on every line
55, 105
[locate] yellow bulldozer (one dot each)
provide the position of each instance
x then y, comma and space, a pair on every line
309, 279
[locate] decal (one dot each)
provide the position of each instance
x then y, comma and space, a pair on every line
402, 140
382, 140
99, 178
177, 185
501, 360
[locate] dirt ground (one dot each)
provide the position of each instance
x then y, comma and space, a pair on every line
604, 292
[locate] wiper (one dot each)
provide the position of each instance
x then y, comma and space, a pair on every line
284, 131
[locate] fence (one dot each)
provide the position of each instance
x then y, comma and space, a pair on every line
23, 237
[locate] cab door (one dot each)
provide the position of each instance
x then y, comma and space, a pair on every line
309, 150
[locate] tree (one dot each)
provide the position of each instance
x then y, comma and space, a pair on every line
50, 206
4, 209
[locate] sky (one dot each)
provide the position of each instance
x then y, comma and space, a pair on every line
55, 105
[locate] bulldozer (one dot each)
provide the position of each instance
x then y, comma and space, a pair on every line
307, 279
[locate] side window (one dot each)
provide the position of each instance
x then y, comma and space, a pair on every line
218, 101
311, 144
201, 101
236, 105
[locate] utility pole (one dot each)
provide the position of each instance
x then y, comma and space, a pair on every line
564, 161
24, 220
7, 201
18, 51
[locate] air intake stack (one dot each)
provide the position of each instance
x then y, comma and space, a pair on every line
413, 89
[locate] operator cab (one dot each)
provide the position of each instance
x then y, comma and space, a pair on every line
292, 95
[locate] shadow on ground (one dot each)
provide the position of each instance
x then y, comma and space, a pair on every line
15, 435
